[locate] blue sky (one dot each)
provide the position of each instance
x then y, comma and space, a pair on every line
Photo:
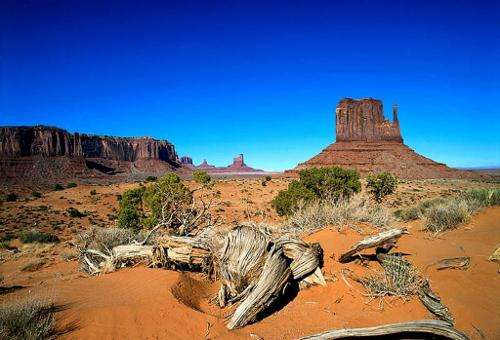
219, 78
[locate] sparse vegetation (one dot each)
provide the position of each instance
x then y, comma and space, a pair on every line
151, 178
381, 185
71, 185
36, 194
320, 213
29, 319
324, 184
57, 187
33, 265
11, 197
93, 192
201, 177
38, 236
73, 212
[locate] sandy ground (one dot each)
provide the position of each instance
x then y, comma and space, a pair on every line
161, 304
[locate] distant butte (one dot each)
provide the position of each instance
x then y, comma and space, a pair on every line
237, 167
369, 143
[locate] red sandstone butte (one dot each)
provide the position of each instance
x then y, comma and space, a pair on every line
369, 143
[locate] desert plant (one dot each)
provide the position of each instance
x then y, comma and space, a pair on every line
483, 197
93, 192
71, 185
38, 236
130, 208
330, 182
288, 201
33, 265
36, 194
448, 215
201, 177
268, 178
28, 319
151, 178
11, 197
381, 185
57, 187
73, 212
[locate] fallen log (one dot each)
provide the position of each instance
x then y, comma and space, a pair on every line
454, 263
429, 327
384, 238
433, 303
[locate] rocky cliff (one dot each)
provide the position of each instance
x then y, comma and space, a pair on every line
50, 141
42, 154
363, 120
368, 143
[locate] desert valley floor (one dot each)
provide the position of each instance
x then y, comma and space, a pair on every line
152, 303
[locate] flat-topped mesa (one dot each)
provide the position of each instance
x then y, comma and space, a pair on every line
363, 120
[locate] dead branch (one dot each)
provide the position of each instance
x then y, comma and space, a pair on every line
386, 237
454, 263
431, 327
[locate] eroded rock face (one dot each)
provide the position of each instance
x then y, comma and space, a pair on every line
368, 143
50, 141
363, 120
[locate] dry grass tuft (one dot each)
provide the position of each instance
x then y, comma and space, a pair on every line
28, 319
321, 213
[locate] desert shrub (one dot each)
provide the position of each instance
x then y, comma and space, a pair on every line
33, 265
93, 192
28, 319
130, 208
484, 197
36, 194
324, 183
73, 212
381, 185
268, 178
11, 197
166, 198
151, 178
332, 183
57, 187
38, 236
71, 185
448, 214
201, 177
410, 214
104, 239
287, 201
338, 212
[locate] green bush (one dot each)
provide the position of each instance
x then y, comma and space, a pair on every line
381, 185
201, 177
11, 197
130, 208
324, 183
38, 236
71, 185
57, 187
287, 201
165, 197
331, 183
73, 212
484, 197
36, 194
151, 178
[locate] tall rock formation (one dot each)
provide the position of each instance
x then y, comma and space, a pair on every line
368, 143
46, 154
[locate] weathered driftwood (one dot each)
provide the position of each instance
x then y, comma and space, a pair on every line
454, 263
495, 257
386, 237
180, 250
430, 327
267, 289
98, 262
433, 303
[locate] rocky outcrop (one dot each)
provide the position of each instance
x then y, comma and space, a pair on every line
368, 143
237, 167
42, 154
187, 161
50, 141
363, 120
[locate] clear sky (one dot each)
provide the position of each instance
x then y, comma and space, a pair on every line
219, 78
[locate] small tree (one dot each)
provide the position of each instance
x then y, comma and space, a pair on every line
331, 183
201, 177
130, 209
287, 201
381, 185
